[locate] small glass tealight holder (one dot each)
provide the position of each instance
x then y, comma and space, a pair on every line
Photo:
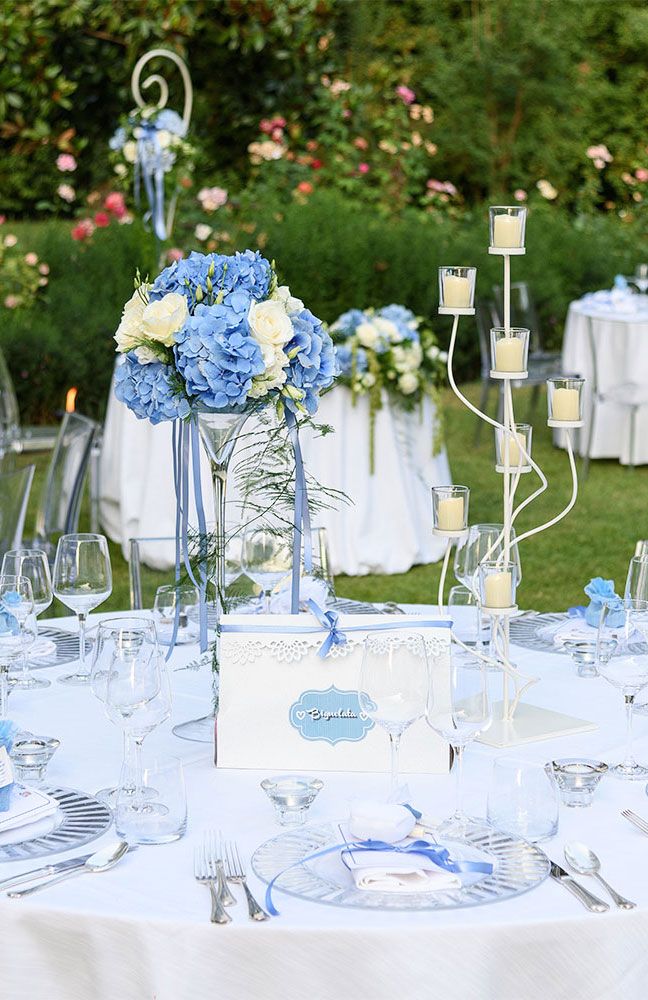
292, 796
588, 653
514, 447
497, 587
577, 779
30, 756
450, 510
507, 226
565, 402
457, 290
509, 352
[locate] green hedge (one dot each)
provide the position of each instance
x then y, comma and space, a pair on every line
333, 255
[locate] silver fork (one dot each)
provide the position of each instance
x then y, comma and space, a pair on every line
236, 873
640, 823
202, 874
215, 864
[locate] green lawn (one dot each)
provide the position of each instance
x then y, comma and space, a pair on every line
597, 538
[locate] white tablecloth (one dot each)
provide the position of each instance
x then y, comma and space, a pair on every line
621, 341
387, 528
142, 931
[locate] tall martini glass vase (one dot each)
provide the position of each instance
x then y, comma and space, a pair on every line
219, 432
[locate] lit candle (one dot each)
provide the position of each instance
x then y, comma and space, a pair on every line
513, 448
497, 590
509, 355
565, 404
507, 231
450, 514
456, 292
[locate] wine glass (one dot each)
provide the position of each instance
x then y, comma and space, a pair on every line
123, 639
82, 581
393, 685
482, 542
137, 696
33, 564
266, 557
627, 670
636, 588
16, 606
641, 278
459, 710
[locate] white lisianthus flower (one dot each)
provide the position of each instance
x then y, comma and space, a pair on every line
162, 319
368, 380
408, 383
146, 355
388, 329
273, 378
202, 232
164, 138
368, 335
271, 327
121, 169
129, 332
289, 302
130, 151
433, 352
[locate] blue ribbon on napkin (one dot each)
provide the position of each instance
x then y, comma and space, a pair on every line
439, 855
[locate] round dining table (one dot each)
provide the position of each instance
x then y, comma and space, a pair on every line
141, 931
606, 343
138, 498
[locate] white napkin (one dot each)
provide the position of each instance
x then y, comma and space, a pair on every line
577, 630
384, 871
386, 821
41, 649
30, 814
310, 588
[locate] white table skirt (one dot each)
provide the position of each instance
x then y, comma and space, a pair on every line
622, 351
142, 931
386, 529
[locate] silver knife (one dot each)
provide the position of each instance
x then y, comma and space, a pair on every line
588, 899
44, 872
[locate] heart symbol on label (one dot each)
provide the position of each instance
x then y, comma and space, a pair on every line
301, 715
363, 716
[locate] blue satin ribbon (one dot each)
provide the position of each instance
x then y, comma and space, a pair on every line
301, 519
149, 167
440, 856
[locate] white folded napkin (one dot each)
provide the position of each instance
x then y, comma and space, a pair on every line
41, 649
387, 821
29, 808
573, 630
310, 588
387, 871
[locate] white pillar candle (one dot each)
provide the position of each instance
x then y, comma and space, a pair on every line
497, 590
450, 514
514, 451
507, 231
565, 404
456, 292
509, 355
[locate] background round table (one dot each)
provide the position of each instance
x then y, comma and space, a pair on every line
385, 529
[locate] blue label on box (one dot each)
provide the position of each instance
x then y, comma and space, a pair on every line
332, 715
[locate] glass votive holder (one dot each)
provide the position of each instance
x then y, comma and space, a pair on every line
565, 402
292, 796
515, 448
497, 586
577, 779
30, 756
154, 809
457, 290
523, 799
450, 510
587, 654
185, 600
509, 352
507, 228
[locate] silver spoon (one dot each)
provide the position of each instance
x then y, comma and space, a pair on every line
101, 861
585, 862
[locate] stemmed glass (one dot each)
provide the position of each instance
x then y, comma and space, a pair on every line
459, 710
16, 606
477, 545
266, 557
126, 641
636, 588
393, 685
33, 564
627, 670
137, 698
82, 581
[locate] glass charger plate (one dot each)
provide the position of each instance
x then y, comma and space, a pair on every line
518, 867
524, 630
79, 819
67, 647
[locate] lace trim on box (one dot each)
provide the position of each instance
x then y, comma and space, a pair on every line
247, 650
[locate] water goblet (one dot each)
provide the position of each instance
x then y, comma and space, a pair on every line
626, 670
393, 685
458, 709
82, 581
16, 607
33, 564
266, 557
636, 588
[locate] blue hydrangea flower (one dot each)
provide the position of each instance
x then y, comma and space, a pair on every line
314, 366
118, 139
348, 321
216, 354
148, 390
246, 272
344, 356
402, 318
171, 122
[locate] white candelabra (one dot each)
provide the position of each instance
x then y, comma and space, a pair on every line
495, 581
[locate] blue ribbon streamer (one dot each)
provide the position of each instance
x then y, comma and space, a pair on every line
149, 168
440, 856
202, 530
301, 519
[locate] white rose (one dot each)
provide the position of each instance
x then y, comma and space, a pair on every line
289, 302
145, 355
162, 319
270, 326
129, 332
388, 329
273, 378
367, 335
202, 232
130, 151
408, 383
164, 138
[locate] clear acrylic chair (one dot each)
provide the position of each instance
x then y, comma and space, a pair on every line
60, 503
10, 430
15, 487
158, 568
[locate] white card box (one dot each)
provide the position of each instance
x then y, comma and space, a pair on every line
282, 707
